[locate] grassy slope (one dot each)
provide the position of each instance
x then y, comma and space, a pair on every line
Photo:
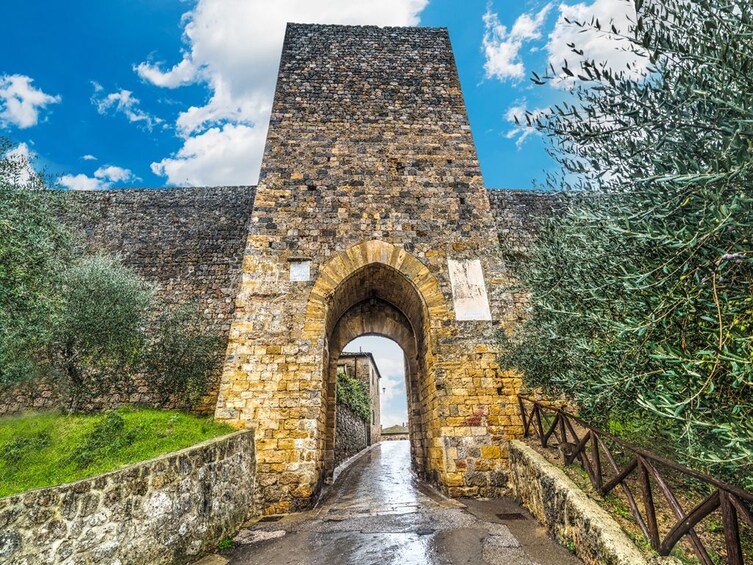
36, 449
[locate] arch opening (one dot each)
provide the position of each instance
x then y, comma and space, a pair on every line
379, 363
378, 300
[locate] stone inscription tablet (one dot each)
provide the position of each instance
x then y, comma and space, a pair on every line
300, 271
468, 290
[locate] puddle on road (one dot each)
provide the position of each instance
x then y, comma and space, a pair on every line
403, 548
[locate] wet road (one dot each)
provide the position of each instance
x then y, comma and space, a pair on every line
377, 512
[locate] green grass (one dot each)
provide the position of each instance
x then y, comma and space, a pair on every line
38, 450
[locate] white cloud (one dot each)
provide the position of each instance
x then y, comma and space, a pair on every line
600, 46
521, 130
123, 102
104, 178
20, 102
111, 173
233, 46
21, 171
502, 46
80, 182
89, 158
227, 155
181, 74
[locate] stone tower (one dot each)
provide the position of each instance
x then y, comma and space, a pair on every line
371, 217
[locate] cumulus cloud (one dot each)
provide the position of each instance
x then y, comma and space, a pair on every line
226, 155
20, 102
111, 173
600, 46
89, 158
80, 182
123, 102
104, 178
502, 46
233, 46
522, 119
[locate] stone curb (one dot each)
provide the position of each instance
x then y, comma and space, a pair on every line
568, 513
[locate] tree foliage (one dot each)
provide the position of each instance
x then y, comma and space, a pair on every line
183, 351
34, 246
100, 331
354, 394
642, 292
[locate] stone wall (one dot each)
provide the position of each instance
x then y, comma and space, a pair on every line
567, 512
394, 437
369, 173
188, 242
363, 367
518, 213
517, 216
351, 434
34, 395
166, 510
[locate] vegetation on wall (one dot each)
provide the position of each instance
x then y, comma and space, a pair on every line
182, 351
642, 292
354, 394
88, 323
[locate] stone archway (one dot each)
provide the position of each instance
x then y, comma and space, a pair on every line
379, 289
375, 317
277, 374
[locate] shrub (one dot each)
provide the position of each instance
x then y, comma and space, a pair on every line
183, 351
354, 394
100, 330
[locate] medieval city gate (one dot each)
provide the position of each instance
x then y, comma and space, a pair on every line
370, 217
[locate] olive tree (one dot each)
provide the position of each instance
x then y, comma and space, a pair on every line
100, 330
34, 246
642, 291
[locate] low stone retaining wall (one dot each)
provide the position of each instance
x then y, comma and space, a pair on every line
165, 510
351, 434
567, 512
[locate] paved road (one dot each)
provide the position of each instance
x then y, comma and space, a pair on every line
376, 512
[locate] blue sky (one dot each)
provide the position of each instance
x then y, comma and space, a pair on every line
158, 93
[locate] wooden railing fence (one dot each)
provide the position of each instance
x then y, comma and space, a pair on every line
578, 440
